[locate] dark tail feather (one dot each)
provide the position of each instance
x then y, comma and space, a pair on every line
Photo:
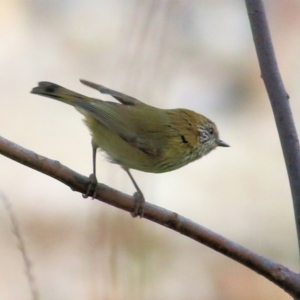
55, 91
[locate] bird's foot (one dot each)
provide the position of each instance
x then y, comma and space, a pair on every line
92, 188
139, 205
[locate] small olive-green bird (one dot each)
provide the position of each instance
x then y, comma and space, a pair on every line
138, 136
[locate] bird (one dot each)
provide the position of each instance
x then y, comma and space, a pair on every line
136, 135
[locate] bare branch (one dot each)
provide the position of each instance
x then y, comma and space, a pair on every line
279, 100
276, 273
21, 245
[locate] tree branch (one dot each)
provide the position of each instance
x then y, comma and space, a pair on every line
279, 100
276, 273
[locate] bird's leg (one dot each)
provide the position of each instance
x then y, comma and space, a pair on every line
139, 198
92, 188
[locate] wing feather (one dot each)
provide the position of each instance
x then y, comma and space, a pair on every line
110, 115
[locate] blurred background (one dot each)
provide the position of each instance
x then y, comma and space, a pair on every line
168, 53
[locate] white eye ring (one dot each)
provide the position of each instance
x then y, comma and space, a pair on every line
211, 131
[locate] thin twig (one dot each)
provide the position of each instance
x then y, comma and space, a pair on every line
276, 273
279, 100
21, 245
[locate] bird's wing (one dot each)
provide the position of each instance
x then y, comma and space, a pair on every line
110, 115
124, 99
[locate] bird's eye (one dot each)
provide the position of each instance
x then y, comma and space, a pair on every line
211, 131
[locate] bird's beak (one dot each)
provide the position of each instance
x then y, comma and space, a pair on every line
222, 144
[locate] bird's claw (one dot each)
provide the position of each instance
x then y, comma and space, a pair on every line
92, 188
139, 205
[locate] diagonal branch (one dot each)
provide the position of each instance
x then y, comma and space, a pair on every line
276, 273
279, 100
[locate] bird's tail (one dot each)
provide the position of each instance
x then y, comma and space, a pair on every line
52, 90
